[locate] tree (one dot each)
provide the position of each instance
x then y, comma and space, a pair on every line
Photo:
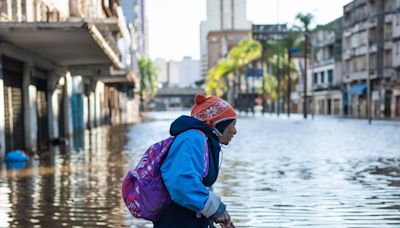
291, 42
305, 20
227, 69
148, 80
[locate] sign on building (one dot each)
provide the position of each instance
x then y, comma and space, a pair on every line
269, 32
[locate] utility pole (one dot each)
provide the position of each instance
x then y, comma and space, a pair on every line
279, 85
380, 18
264, 67
289, 84
369, 113
368, 76
305, 75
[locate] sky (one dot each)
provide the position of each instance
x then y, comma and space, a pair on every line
174, 25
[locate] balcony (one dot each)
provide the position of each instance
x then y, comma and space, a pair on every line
64, 43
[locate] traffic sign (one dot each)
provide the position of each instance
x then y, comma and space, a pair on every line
257, 73
269, 32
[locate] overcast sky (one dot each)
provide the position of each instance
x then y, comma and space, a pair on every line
174, 25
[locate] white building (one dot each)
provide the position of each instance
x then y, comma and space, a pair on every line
326, 69
222, 15
189, 72
182, 73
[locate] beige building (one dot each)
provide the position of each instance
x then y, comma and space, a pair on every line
222, 16
326, 69
370, 34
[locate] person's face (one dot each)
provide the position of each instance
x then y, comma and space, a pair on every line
228, 134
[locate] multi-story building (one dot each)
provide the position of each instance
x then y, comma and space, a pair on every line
220, 42
396, 57
225, 18
134, 12
370, 50
189, 71
182, 73
61, 70
326, 68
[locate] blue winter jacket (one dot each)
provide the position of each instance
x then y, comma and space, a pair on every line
182, 172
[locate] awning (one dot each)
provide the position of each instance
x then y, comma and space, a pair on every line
358, 89
64, 43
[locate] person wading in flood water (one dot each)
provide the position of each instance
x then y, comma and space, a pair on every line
194, 205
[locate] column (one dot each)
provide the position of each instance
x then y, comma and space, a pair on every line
30, 106
52, 98
2, 123
67, 104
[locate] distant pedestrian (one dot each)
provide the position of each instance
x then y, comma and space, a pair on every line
192, 164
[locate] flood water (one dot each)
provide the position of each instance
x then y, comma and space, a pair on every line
277, 172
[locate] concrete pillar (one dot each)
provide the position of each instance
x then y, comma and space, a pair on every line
99, 94
2, 121
85, 111
92, 110
9, 10
52, 98
30, 108
67, 104
29, 10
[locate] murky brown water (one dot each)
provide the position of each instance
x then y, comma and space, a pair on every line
277, 172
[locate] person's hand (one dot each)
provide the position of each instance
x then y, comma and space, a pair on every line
229, 225
224, 219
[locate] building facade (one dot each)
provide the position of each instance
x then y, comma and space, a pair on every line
61, 71
326, 73
371, 50
222, 16
173, 74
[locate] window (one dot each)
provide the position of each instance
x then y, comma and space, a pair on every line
330, 76
315, 78
388, 58
388, 31
322, 77
398, 18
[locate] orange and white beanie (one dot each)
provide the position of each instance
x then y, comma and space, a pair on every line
212, 110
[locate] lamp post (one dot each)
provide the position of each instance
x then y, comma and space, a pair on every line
305, 74
368, 76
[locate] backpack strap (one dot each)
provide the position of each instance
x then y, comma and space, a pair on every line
206, 161
206, 155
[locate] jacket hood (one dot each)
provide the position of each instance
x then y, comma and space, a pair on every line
184, 123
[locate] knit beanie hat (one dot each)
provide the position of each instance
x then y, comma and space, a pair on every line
212, 110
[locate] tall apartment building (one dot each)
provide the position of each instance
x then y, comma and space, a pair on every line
226, 20
326, 68
371, 32
134, 12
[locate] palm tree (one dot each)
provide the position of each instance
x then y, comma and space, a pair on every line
305, 20
148, 80
219, 77
291, 42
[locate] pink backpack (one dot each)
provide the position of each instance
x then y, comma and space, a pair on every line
143, 188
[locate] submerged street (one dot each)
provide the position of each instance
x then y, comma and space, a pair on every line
277, 172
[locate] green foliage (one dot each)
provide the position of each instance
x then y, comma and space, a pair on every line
148, 78
270, 84
306, 19
238, 58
